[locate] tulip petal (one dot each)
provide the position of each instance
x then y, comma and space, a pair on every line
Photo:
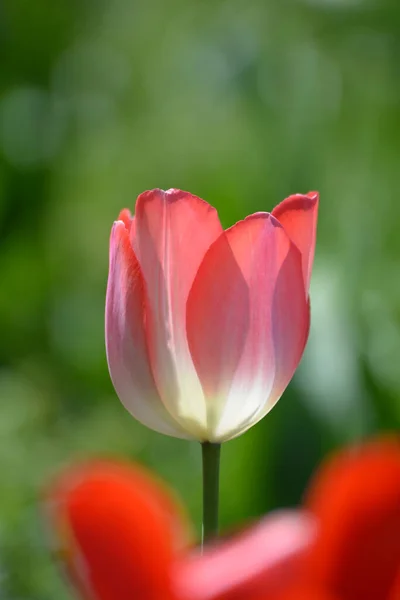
395, 589
126, 217
356, 498
247, 322
127, 352
117, 531
300, 593
173, 232
258, 563
298, 215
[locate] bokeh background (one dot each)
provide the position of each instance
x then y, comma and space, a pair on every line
242, 103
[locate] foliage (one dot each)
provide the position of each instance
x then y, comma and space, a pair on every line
242, 104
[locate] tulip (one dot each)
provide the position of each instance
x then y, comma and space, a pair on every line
356, 499
116, 531
123, 536
205, 327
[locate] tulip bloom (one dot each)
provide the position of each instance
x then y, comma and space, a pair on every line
356, 499
123, 537
206, 327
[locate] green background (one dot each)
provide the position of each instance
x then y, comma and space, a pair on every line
242, 103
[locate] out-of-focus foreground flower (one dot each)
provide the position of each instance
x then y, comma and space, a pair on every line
205, 327
121, 536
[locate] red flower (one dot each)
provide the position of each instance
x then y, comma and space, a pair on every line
205, 327
117, 531
121, 537
356, 499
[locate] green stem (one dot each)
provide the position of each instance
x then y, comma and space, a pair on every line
211, 459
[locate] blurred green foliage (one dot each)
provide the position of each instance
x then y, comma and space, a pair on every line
242, 104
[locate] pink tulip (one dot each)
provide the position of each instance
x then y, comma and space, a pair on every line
205, 327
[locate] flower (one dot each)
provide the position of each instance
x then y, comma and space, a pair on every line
206, 327
356, 499
116, 531
123, 536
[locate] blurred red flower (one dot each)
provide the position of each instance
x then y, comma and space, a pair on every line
122, 536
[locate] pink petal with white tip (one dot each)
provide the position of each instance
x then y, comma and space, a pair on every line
127, 352
173, 231
247, 323
298, 214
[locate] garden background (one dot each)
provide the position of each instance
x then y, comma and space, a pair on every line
243, 104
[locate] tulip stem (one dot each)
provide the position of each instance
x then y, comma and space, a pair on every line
211, 459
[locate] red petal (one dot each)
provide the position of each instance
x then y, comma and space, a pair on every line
117, 531
395, 590
247, 321
126, 217
127, 351
263, 560
300, 593
174, 229
298, 214
357, 499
